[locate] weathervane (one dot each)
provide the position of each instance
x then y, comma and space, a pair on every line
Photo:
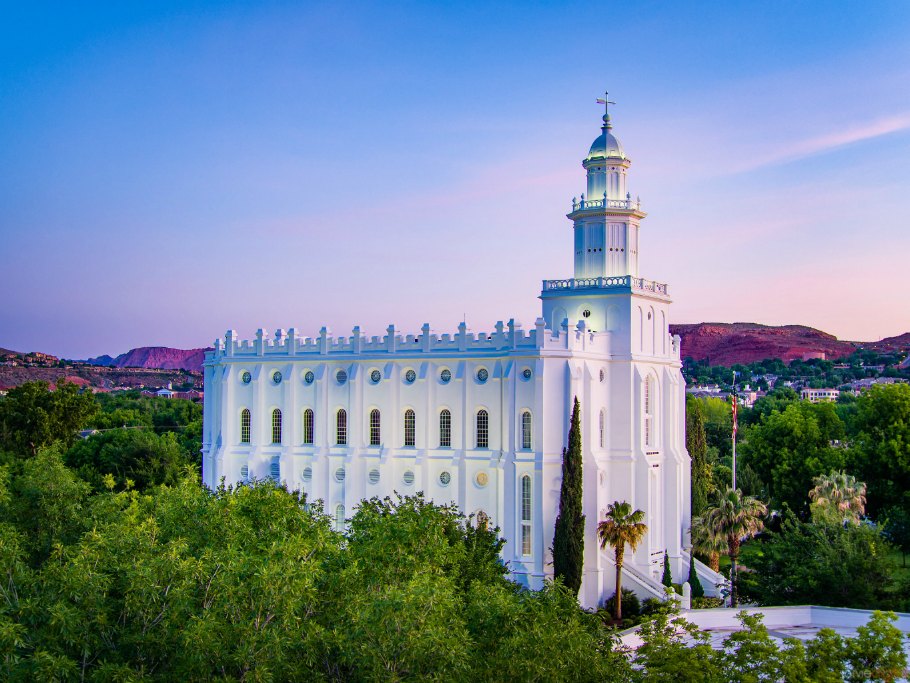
605, 101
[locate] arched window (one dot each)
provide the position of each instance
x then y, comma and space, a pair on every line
308, 425
649, 397
603, 427
375, 439
526, 515
526, 430
276, 426
275, 469
341, 427
445, 428
483, 429
410, 427
339, 518
245, 474
246, 419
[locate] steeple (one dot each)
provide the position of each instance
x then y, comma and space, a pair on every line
606, 217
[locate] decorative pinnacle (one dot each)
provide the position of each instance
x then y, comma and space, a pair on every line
605, 101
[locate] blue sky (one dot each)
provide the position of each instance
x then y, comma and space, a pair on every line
173, 170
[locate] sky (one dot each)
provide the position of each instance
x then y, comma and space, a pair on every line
172, 170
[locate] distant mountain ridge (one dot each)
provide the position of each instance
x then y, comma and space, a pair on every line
732, 343
718, 343
160, 357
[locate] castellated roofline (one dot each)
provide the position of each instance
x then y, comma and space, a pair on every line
506, 338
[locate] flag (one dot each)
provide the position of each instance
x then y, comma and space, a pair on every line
734, 413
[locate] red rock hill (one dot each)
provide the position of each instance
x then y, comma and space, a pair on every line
732, 343
160, 357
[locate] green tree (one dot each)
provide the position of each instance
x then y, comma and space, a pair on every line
705, 543
781, 574
621, 527
735, 517
569, 534
881, 445
838, 497
136, 455
787, 449
32, 417
698, 591
877, 651
697, 445
667, 578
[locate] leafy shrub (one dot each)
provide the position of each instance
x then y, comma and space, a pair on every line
631, 605
707, 603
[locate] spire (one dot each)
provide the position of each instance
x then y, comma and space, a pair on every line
606, 103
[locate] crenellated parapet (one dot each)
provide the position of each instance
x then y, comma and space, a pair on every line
505, 338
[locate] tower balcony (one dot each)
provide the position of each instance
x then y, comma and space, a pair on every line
622, 283
604, 204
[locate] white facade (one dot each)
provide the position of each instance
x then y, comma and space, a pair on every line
481, 419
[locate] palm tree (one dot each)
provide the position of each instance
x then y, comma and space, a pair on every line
735, 517
838, 496
706, 543
620, 528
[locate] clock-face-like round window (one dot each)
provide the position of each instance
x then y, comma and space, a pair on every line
410, 376
276, 377
341, 376
482, 375
445, 478
526, 373
586, 313
246, 377
375, 376
445, 376
408, 477
309, 377
482, 479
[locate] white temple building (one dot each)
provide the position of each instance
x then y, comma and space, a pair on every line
481, 419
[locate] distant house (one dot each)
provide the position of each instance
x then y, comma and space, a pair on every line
819, 395
86, 433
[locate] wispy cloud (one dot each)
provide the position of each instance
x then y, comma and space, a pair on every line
824, 143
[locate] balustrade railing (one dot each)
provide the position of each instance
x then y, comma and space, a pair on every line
588, 204
606, 283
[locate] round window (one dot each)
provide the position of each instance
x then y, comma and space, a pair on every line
375, 376
586, 313
482, 375
408, 477
339, 474
341, 376
445, 478
307, 475
374, 476
482, 479
410, 376
276, 377
445, 376
309, 377
246, 377
526, 373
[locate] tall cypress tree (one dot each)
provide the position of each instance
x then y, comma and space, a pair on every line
697, 445
569, 536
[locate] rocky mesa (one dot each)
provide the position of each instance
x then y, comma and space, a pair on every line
732, 343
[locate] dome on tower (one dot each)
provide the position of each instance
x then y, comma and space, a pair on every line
606, 146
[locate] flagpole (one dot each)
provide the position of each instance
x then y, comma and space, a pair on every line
734, 430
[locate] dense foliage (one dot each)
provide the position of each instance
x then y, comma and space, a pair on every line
108, 576
569, 534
